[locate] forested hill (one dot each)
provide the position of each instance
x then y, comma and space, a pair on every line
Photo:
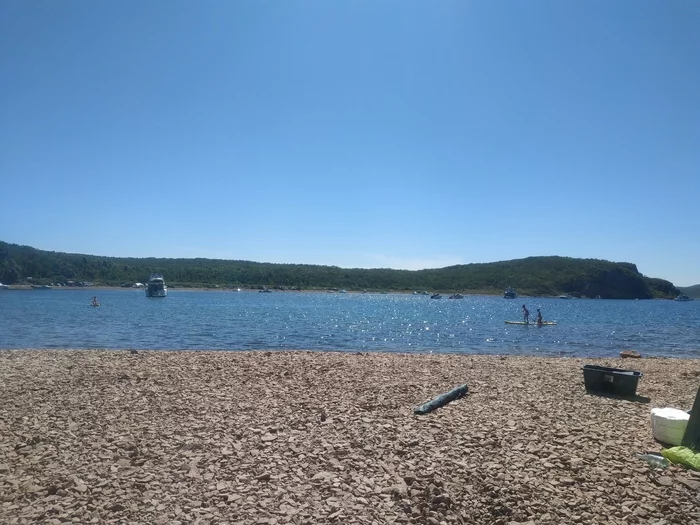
691, 291
530, 276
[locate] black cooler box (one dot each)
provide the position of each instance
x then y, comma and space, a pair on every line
615, 381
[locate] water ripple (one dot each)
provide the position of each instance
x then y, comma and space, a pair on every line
347, 322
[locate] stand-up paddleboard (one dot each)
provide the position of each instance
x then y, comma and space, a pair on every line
544, 323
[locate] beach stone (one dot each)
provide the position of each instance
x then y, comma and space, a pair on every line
630, 354
235, 437
691, 484
665, 481
567, 481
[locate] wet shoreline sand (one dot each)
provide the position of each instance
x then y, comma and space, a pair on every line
268, 437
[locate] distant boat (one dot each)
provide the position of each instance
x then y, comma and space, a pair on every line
265, 290
683, 298
4, 287
510, 293
565, 296
436, 296
41, 287
155, 287
456, 296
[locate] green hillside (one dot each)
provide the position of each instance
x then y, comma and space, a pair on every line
531, 276
691, 291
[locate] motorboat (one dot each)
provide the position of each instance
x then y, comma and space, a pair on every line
565, 296
436, 296
42, 286
265, 290
510, 293
4, 287
456, 296
683, 298
155, 287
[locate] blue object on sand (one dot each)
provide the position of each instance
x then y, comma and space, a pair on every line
442, 400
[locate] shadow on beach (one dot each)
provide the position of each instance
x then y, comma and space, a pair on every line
635, 398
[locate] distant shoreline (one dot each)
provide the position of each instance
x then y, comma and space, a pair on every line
445, 295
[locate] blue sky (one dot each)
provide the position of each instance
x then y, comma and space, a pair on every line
368, 134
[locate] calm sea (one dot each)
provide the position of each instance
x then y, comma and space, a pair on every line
344, 322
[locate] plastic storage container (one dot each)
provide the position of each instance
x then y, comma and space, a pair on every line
668, 425
605, 380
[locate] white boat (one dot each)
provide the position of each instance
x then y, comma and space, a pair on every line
683, 298
510, 293
155, 287
4, 287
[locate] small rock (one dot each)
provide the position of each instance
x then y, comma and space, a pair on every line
665, 481
691, 484
630, 353
567, 481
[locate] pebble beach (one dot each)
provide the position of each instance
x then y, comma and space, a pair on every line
180, 437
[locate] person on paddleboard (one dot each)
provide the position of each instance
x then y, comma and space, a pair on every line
526, 315
539, 317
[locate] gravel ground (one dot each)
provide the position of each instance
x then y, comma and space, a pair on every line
308, 437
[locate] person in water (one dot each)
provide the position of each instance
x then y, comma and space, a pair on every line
526, 315
539, 317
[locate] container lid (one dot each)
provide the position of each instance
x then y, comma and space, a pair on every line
670, 413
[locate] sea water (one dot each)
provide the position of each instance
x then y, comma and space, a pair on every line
283, 320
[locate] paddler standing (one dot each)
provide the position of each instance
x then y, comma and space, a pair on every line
526, 315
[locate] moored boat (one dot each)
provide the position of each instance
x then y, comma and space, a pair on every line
155, 287
683, 298
510, 293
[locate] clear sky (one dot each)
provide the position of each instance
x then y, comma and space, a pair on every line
394, 134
